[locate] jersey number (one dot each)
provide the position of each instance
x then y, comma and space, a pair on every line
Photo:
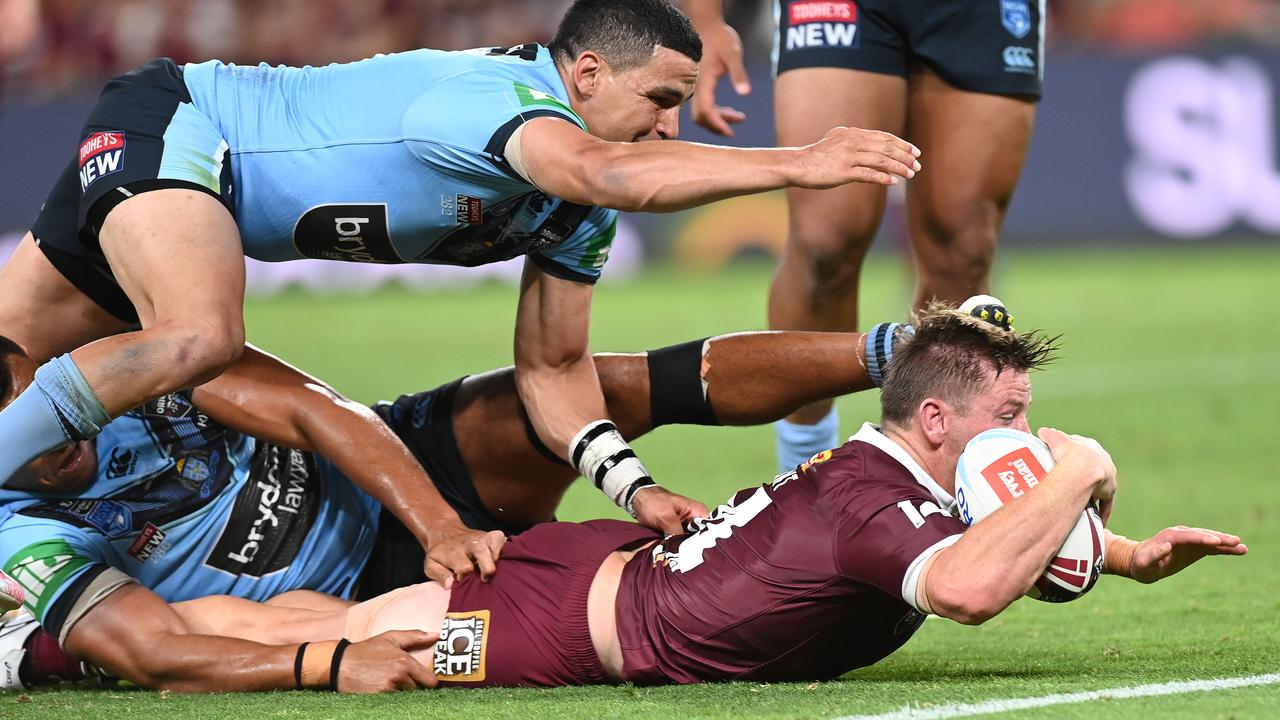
527, 51
720, 526
917, 517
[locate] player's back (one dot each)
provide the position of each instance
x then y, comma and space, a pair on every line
801, 579
369, 150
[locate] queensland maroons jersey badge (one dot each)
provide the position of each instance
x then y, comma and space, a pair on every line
102, 153
461, 650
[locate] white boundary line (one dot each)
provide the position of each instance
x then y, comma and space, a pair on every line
1011, 704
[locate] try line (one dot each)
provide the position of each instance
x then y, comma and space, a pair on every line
1011, 704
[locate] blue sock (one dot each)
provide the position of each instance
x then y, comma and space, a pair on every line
59, 407
797, 443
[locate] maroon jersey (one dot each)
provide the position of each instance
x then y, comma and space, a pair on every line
802, 579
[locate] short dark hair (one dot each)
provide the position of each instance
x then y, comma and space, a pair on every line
624, 32
948, 358
7, 348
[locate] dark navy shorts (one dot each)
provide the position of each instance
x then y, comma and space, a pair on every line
424, 421
988, 46
143, 134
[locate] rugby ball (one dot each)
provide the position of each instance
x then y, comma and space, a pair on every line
1000, 465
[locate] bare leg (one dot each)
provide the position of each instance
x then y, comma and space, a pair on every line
751, 378
314, 616
177, 255
42, 311
975, 144
816, 284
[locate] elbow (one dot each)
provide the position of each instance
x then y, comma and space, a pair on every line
615, 180
968, 603
975, 613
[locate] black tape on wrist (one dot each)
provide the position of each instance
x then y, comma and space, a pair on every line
643, 482
337, 662
297, 666
610, 463
595, 432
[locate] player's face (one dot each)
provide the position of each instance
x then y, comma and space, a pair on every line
1003, 404
642, 103
67, 469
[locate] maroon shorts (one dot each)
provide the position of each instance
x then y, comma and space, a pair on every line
528, 626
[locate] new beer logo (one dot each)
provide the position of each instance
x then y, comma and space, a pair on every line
102, 153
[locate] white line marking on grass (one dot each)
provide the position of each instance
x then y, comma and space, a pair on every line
1008, 705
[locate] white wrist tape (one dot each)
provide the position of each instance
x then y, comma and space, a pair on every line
604, 458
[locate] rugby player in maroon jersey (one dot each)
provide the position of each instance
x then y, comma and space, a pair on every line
825, 569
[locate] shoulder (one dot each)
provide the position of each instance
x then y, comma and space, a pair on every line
480, 90
859, 469
859, 481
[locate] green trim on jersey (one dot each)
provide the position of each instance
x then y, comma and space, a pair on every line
597, 253
530, 96
42, 568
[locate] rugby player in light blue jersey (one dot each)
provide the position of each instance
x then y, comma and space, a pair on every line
461, 158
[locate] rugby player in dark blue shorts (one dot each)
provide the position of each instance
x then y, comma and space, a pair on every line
829, 567
458, 158
958, 78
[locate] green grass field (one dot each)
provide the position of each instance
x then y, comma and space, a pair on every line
1170, 360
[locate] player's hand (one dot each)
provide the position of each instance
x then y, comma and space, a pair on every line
1091, 459
847, 155
383, 663
661, 509
1173, 549
721, 55
455, 551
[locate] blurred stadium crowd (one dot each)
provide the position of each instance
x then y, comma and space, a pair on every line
52, 49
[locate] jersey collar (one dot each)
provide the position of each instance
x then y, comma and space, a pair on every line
871, 434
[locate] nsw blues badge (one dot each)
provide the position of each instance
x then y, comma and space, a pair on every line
1015, 15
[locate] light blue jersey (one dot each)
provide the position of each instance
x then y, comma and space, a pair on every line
189, 508
397, 158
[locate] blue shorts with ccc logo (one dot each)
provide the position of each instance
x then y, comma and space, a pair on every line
989, 46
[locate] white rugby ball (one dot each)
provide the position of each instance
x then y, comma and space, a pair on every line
1000, 465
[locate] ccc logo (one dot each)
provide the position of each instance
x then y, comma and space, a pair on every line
1019, 57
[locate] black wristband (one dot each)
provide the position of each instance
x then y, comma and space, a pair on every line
297, 666
337, 661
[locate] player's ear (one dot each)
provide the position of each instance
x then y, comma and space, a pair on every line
588, 72
934, 418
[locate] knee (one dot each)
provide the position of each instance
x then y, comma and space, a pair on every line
956, 246
830, 257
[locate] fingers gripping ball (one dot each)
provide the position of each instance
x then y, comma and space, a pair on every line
1000, 465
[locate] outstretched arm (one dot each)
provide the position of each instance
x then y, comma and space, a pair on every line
1167, 552
136, 635
265, 397
665, 176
